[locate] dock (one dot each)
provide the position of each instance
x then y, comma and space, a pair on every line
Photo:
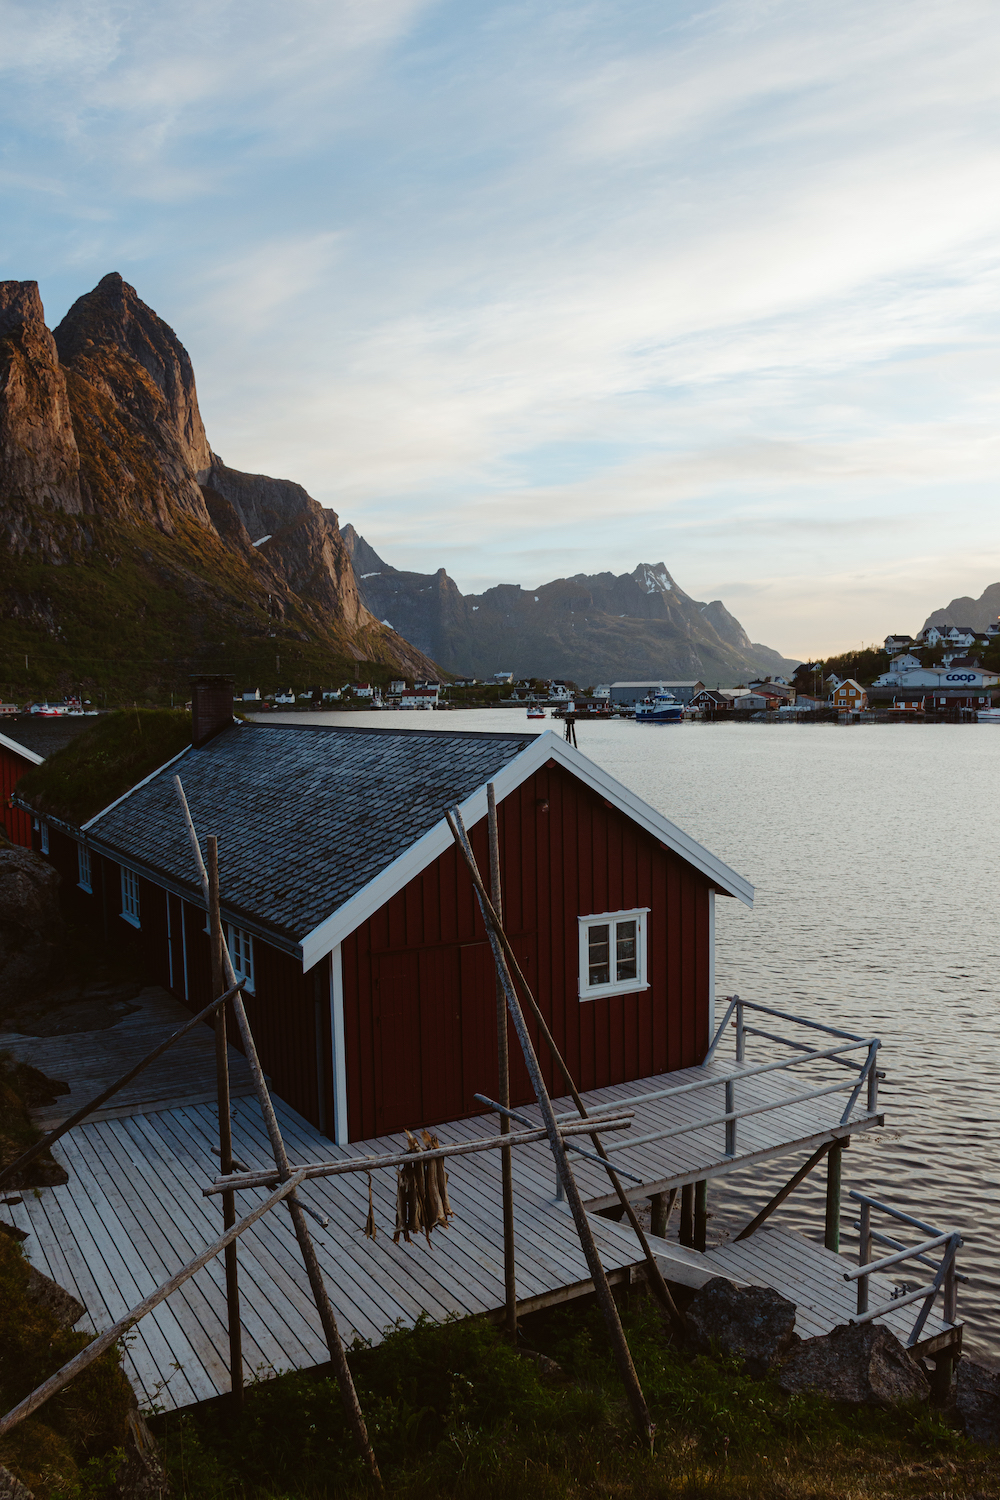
133, 1211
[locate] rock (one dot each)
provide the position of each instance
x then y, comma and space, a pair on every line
547, 1368
31, 924
859, 1364
755, 1322
11, 1488
48, 1294
977, 1402
142, 1476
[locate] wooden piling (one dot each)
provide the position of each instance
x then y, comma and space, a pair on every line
834, 1161
686, 1235
225, 1123
503, 1084
701, 1215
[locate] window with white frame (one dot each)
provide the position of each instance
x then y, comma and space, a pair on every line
613, 953
83, 873
241, 954
130, 897
43, 837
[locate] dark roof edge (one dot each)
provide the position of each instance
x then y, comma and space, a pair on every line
466, 734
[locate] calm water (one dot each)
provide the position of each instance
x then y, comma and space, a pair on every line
873, 850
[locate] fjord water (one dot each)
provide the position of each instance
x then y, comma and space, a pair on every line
873, 851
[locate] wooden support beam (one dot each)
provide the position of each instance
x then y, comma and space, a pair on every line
834, 1162
701, 1215
503, 1084
225, 1124
686, 1235
783, 1192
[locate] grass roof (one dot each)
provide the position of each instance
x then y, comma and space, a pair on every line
101, 764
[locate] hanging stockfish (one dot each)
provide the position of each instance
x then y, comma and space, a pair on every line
437, 1185
371, 1232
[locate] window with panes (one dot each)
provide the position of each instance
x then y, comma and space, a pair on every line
130, 896
241, 953
613, 953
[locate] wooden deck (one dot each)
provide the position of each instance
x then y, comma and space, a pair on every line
90, 1060
133, 1212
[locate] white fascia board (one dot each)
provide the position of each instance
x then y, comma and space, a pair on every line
341, 923
145, 780
21, 750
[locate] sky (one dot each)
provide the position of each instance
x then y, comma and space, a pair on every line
524, 290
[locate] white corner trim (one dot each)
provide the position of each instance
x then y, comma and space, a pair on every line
145, 780
341, 1131
21, 750
341, 923
711, 967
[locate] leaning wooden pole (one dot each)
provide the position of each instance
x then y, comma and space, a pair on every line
225, 1123
653, 1272
503, 1091
334, 1343
616, 1333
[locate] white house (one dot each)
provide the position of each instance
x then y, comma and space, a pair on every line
284, 695
418, 698
397, 686
604, 691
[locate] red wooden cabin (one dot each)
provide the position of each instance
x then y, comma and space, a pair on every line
372, 989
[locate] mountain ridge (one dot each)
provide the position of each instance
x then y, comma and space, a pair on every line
978, 613
588, 628
114, 508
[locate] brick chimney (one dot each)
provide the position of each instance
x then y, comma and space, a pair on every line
211, 707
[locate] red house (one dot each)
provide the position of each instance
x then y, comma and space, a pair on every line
25, 741
369, 977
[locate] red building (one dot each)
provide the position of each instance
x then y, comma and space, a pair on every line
25, 741
370, 982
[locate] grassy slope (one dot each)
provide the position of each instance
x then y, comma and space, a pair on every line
452, 1411
101, 764
132, 619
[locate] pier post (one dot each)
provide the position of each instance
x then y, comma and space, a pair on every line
658, 1214
686, 1235
701, 1214
833, 1178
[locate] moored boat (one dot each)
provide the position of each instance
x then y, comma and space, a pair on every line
662, 708
536, 711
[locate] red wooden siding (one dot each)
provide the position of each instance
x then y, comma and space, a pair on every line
419, 1006
16, 824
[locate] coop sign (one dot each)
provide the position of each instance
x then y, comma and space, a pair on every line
962, 677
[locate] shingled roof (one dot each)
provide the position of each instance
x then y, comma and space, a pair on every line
306, 816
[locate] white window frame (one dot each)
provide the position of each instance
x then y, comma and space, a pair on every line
43, 836
240, 945
130, 911
638, 914
84, 869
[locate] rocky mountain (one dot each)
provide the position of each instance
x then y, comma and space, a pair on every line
133, 554
589, 628
965, 611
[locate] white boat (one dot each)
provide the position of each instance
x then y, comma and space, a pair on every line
536, 711
988, 716
662, 708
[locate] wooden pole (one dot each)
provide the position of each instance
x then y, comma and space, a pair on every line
653, 1273
503, 1090
338, 1358
111, 1335
606, 1302
225, 1125
833, 1180
102, 1098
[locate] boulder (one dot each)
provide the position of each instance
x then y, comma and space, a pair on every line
31, 924
11, 1488
754, 1322
142, 1475
977, 1402
859, 1364
46, 1293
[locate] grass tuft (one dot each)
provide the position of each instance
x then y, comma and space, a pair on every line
101, 764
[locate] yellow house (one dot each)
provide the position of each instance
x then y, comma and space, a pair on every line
849, 695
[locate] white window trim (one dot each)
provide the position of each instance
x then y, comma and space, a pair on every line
246, 974
43, 836
133, 919
626, 986
84, 857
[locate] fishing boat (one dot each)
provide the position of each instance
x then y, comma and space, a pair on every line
662, 708
536, 711
988, 716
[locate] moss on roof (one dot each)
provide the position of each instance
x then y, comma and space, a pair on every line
118, 750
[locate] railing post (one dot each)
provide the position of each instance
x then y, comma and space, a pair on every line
951, 1292
864, 1255
873, 1079
833, 1179
741, 1041
730, 1124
